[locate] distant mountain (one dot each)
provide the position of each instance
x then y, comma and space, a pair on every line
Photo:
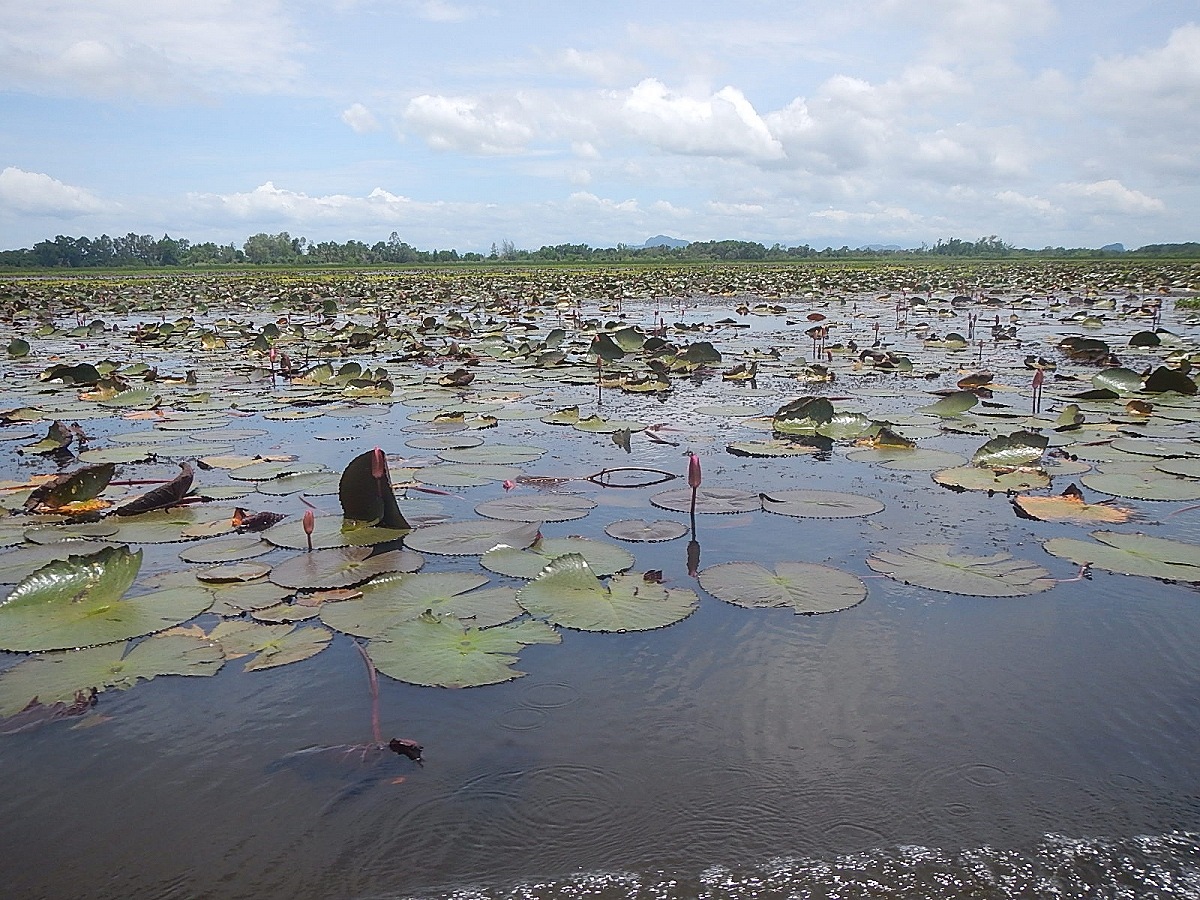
888, 247
661, 240
1113, 248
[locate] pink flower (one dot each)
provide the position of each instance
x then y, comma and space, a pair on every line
508, 484
310, 521
693, 470
378, 464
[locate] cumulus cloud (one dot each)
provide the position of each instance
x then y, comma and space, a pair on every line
147, 48
38, 194
1110, 196
1163, 81
360, 119
484, 126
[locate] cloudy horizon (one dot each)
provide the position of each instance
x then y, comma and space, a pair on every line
462, 124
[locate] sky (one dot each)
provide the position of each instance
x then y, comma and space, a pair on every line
460, 124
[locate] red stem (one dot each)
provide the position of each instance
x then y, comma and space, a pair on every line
376, 731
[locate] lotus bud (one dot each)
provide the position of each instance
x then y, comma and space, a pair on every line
310, 522
693, 470
378, 464
272, 354
1038, 377
508, 484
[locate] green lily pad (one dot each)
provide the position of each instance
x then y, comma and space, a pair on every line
953, 404
641, 530
819, 504
391, 599
918, 459
465, 474
797, 446
274, 645
493, 454
604, 559
446, 653
568, 593
1021, 448
315, 484
1143, 484
1132, 554
940, 567
227, 549
974, 478
20, 562
79, 602
708, 500
807, 588
537, 508
341, 567
329, 531
471, 538
57, 677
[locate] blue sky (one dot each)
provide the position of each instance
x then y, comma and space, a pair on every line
459, 124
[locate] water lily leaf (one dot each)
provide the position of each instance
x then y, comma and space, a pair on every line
80, 602
493, 454
161, 497
314, 484
329, 531
167, 526
445, 653
953, 404
465, 474
228, 549
641, 530
72, 487
1020, 448
819, 504
57, 677
391, 599
803, 415
57, 437
604, 559
539, 508
1117, 379
846, 425
18, 347
567, 416
1162, 449
234, 572
941, 567
341, 567
1186, 468
17, 563
975, 478
568, 593
1069, 507
708, 500
275, 645
800, 445
471, 538
1144, 484
807, 588
1163, 379
366, 493
1132, 554
918, 459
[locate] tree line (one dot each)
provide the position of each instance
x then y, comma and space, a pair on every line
144, 251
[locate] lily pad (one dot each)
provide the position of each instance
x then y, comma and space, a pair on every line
568, 593
641, 530
341, 567
391, 599
1145, 484
537, 508
1021, 448
807, 588
493, 454
604, 559
80, 602
274, 645
819, 504
471, 538
57, 677
446, 653
940, 567
708, 500
974, 478
1132, 554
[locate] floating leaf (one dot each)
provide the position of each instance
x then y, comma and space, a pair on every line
57, 677
797, 446
1017, 449
1132, 554
229, 549
805, 587
1163, 379
1118, 380
1144, 484
72, 487
953, 404
568, 593
58, 436
161, 497
708, 500
540, 508
446, 653
802, 416
641, 530
391, 599
470, 538
275, 645
604, 559
493, 454
918, 459
975, 478
79, 602
942, 568
341, 567
819, 504
1070, 507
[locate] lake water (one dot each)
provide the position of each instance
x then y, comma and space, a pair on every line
920, 744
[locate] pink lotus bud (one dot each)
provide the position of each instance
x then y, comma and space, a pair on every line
378, 464
310, 521
1038, 377
693, 470
508, 484
272, 354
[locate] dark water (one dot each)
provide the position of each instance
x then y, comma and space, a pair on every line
917, 745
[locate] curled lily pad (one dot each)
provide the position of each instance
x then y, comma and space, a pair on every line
537, 508
941, 567
341, 567
79, 602
641, 530
1132, 554
708, 500
57, 677
390, 599
604, 559
804, 587
246, 570
819, 504
568, 593
1021, 448
953, 404
443, 652
82, 484
17, 563
1070, 507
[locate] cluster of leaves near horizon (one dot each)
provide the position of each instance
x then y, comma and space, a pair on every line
117, 383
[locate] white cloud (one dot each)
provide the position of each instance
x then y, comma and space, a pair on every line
486, 126
1110, 196
360, 119
38, 194
724, 124
1036, 205
1157, 83
147, 48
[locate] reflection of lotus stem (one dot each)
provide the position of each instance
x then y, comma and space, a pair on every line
376, 731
